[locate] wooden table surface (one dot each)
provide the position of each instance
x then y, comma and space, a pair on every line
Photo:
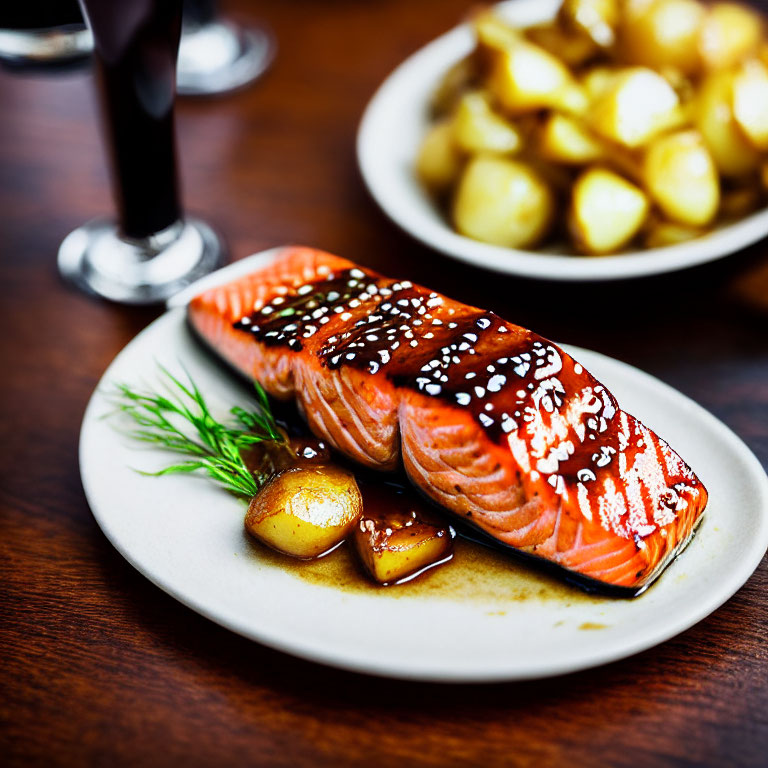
99, 667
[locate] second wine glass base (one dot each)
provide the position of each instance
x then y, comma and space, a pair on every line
98, 261
43, 48
222, 56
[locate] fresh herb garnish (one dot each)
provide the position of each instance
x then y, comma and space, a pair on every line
216, 448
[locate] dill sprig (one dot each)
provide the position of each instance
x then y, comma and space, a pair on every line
182, 423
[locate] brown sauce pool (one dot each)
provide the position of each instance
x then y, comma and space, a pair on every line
475, 574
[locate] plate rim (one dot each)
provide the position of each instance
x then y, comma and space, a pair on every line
324, 653
713, 246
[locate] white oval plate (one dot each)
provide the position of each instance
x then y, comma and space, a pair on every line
187, 537
391, 131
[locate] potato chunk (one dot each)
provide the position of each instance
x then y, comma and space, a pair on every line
305, 511
571, 47
398, 543
502, 201
439, 161
730, 32
477, 128
713, 114
664, 33
607, 211
452, 85
750, 102
597, 19
598, 80
493, 35
566, 140
681, 177
526, 78
740, 202
637, 106
665, 233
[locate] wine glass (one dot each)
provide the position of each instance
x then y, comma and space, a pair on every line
153, 250
217, 55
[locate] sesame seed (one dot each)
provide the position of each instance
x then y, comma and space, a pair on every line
496, 382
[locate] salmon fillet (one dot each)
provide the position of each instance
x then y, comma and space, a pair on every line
493, 422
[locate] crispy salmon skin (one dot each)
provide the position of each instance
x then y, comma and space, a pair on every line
494, 423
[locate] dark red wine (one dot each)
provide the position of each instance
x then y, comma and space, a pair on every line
135, 48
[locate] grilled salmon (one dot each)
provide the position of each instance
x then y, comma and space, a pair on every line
491, 421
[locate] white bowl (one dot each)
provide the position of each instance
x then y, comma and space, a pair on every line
388, 139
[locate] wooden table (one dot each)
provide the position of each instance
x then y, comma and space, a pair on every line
99, 667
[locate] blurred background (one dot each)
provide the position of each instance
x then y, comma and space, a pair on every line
267, 164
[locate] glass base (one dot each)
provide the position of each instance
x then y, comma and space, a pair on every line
57, 46
98, 261
221, 56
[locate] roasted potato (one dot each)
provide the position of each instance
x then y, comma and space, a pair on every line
396, 544
571, 47
269, 458
740, 201
504, 202
526, 78
494, 37
477, 128
750, 102
734, 155
596, 19
663, 33
452, 86
606, 211
597, 80
730, 32
439, 161
566, 140
660, 234
305, 511
682, 178
637, 106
